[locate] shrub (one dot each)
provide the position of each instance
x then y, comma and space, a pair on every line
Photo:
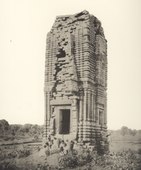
23, 153
73, 159
68, 161
8, 166
84, 158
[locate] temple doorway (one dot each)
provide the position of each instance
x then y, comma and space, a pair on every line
64, 121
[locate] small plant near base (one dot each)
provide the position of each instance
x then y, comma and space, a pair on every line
73, 159
68, 161
84, 158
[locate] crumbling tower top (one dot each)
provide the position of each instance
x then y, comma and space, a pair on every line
69, 20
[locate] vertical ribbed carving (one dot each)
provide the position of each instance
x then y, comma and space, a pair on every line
76, 75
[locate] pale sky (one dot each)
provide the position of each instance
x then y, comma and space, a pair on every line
23, 28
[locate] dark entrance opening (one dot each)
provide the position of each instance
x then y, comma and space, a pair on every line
64, 125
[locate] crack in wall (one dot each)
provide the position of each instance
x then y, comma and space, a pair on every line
65, 72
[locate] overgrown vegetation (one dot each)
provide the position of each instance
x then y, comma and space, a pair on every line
125, 153
130, 160
75, 159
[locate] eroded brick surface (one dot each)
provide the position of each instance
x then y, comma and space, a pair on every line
76, 79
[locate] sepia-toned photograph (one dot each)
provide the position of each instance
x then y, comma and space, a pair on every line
70, 85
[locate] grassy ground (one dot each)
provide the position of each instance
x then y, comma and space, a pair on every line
32, 156
119, 146
24, 154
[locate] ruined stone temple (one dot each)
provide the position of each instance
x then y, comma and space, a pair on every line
76, 79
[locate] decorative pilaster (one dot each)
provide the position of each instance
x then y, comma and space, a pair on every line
74, 117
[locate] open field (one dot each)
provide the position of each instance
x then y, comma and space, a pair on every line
119, 146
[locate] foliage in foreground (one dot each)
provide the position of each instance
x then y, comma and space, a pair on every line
74, 159
85, 160
112, 161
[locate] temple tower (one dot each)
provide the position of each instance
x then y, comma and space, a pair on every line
76, 79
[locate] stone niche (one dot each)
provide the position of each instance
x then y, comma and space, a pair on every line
76, 79
65, 112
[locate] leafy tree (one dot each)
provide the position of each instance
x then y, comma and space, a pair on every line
4, 127
124, 130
